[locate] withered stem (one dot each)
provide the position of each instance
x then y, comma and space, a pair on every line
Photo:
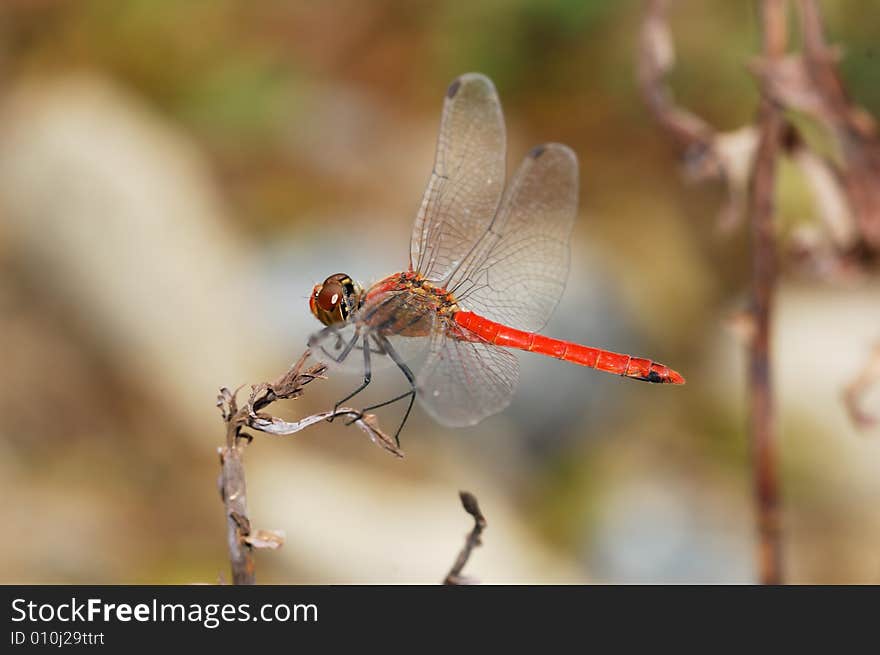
469, 502
762, 421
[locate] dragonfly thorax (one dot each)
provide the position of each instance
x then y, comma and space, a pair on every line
335, 299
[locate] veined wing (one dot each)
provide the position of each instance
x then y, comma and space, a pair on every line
467, 180
465, 378
517, 273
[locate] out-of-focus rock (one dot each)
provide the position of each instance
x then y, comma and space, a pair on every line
347, 525
114, 214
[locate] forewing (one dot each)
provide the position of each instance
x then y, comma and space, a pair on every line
467, 180
518, 272
466, 379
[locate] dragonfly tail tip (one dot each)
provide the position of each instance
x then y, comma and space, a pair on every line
660, 374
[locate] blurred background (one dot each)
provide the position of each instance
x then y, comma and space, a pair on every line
174, 178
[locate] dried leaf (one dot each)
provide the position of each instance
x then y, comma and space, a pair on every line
271, 539
829, 196
370, 424
734, 153
789, 84
741, 325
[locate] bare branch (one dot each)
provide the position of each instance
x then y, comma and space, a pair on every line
691, 134
706, 153
810, 83
241, 539
761, 212
855, 129
820, 61
366, 422
233, 492
469, 502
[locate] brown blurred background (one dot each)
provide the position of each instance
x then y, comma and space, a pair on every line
174, 178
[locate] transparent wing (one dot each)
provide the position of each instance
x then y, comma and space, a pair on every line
341, 348
465, 378
518, 271
467, 181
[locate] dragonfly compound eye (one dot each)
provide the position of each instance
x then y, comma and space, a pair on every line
334, 300
330, 296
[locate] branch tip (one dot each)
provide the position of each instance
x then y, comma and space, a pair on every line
473, 539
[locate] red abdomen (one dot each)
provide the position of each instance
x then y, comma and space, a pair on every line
603, 360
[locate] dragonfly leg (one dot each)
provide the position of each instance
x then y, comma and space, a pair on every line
368, 376
411, 394
317, 338
332, 330
340, 358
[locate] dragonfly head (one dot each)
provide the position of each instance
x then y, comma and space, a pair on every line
335, 299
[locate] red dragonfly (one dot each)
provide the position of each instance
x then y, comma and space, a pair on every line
488, 265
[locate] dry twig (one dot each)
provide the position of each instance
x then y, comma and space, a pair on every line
469, 502
746, 161
761, 211
241, 539
706, 153
854, 129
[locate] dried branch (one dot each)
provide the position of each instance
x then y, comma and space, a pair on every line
290, 386
810, 83
691, 134
233, 492
706, 153
469, 502
855, 129
761, 211
746, 161
241, 539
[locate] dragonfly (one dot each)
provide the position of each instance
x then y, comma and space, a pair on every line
488, 264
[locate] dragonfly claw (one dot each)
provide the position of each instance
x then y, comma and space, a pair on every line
354, 418
333, 415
